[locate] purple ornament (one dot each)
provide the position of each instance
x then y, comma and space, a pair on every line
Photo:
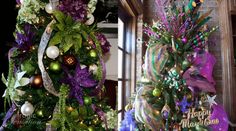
184, 40
165, 114
220, 114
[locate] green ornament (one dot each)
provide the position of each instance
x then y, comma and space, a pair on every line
40, 113
185, 64
55, 66
87, 100
28, 67
93, 53
90, 128
156, 92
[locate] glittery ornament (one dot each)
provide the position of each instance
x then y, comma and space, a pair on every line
165, 111
156, 92
70, 60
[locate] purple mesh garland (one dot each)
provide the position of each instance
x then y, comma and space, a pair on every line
77, 9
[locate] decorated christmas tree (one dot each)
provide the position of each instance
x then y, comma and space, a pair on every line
177, 91
56, 69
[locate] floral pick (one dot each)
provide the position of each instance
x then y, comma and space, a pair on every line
19, 81
81, 79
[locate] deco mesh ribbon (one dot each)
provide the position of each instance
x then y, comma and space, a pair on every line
144, 112
47, 82
155, 60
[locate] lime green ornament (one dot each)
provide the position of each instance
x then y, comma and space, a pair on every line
40, 113
93, 53
90, 128
87, 100
55, 66
28, 67
156, 92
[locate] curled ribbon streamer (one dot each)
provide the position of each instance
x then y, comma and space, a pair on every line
47, 82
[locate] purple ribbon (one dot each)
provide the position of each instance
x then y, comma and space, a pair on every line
101, 114
8, 116
101, 82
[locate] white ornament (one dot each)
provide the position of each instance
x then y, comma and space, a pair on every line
90, 19
27, 109
52, 52
93, 68
49, 8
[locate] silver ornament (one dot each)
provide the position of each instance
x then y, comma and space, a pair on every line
27, 109
52, 52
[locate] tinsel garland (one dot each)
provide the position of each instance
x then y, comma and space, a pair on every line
62, 106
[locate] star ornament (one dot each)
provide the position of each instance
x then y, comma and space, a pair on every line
211, 100
183, 104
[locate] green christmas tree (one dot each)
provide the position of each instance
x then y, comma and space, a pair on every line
177, 89
56, 69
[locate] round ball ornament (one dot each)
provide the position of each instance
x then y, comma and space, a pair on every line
40, 113
52, 52
87, 100
90, 19
27, 109
49, 8
184, 40
185, 64
156, 92
69, 109
176, 127
55, 66
93, 53
69, 60
36, 81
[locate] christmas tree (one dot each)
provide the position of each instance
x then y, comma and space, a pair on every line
56, 69
177, 91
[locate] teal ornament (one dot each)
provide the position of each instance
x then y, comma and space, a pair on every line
173, 79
